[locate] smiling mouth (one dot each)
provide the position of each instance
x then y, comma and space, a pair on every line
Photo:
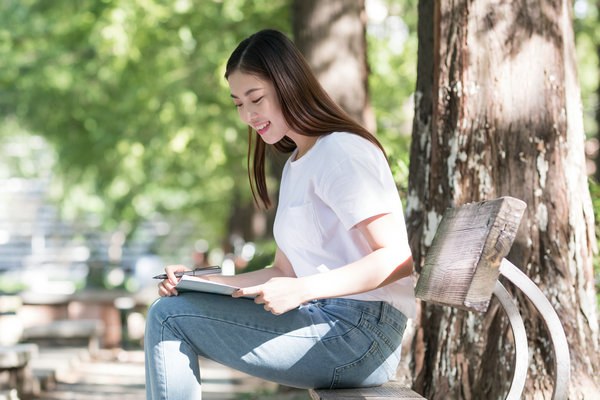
262, 128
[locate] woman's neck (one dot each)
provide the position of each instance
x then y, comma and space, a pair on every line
304, 144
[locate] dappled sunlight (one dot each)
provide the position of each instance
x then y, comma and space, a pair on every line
518, 96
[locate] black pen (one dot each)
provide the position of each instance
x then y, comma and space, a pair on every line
197, 272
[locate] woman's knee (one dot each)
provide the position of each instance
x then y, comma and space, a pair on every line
158, 311
165, 307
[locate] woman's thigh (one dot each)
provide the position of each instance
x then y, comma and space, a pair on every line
321, 344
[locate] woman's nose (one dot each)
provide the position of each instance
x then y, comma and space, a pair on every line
250, 114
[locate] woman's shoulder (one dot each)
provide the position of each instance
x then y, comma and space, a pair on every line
344, 137
348, 146
346, 141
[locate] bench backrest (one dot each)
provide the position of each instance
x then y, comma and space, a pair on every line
462, 265
462, 268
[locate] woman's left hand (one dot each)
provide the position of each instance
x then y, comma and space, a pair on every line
279, 294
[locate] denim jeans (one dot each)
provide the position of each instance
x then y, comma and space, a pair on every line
331, 343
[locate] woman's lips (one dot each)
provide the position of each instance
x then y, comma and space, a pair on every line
262, 128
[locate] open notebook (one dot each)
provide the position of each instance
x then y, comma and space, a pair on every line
195, 284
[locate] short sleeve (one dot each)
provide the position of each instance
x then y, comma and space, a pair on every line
359, 187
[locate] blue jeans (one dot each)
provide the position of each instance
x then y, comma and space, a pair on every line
331, 343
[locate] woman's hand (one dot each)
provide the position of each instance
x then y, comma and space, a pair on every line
166, 288
279, 294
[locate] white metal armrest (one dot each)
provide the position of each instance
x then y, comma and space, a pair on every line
562, 362
520, 336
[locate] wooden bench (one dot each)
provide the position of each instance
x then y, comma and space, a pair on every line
461, 270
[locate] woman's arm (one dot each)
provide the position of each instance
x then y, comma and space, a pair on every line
388, 262
281, 268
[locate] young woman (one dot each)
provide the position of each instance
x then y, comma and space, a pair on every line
331, 310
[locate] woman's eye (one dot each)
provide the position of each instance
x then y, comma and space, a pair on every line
238, 105
257, 100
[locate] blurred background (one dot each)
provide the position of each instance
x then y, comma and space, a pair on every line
122, 152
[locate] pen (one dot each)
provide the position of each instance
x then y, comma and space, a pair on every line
196, 272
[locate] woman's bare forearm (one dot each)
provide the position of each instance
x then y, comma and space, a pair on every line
281, 268
248, 278
375, 270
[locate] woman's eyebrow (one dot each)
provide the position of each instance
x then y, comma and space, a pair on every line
247, 92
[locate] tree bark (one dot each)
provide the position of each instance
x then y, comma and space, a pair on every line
331, 36
498, 112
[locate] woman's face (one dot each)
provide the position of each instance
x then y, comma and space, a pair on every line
258, 106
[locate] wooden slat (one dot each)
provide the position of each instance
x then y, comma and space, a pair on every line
390, 390
461, 267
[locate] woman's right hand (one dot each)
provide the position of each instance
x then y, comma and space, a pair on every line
166, 287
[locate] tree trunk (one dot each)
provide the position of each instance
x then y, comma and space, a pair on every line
331, 36
497, 112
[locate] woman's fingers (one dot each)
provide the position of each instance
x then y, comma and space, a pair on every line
166, 289
172, 269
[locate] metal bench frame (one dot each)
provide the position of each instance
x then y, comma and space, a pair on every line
562, 361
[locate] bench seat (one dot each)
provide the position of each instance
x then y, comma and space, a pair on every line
391, 390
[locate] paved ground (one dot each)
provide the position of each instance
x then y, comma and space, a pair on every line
119, 375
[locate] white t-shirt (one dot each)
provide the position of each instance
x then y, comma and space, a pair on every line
342, 180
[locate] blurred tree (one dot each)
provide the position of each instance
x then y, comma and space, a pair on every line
498, 113
332, 37
132, 96
347, 41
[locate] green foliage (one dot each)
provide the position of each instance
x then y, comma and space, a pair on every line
587, 42
10, 286
264, 256
132, 97
392, 53
23, 155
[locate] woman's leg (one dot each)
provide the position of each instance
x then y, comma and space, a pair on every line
330, 343
172, 370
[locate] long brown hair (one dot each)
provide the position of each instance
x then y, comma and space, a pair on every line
306, 107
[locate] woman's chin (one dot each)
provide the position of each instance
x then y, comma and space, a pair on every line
269, 139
